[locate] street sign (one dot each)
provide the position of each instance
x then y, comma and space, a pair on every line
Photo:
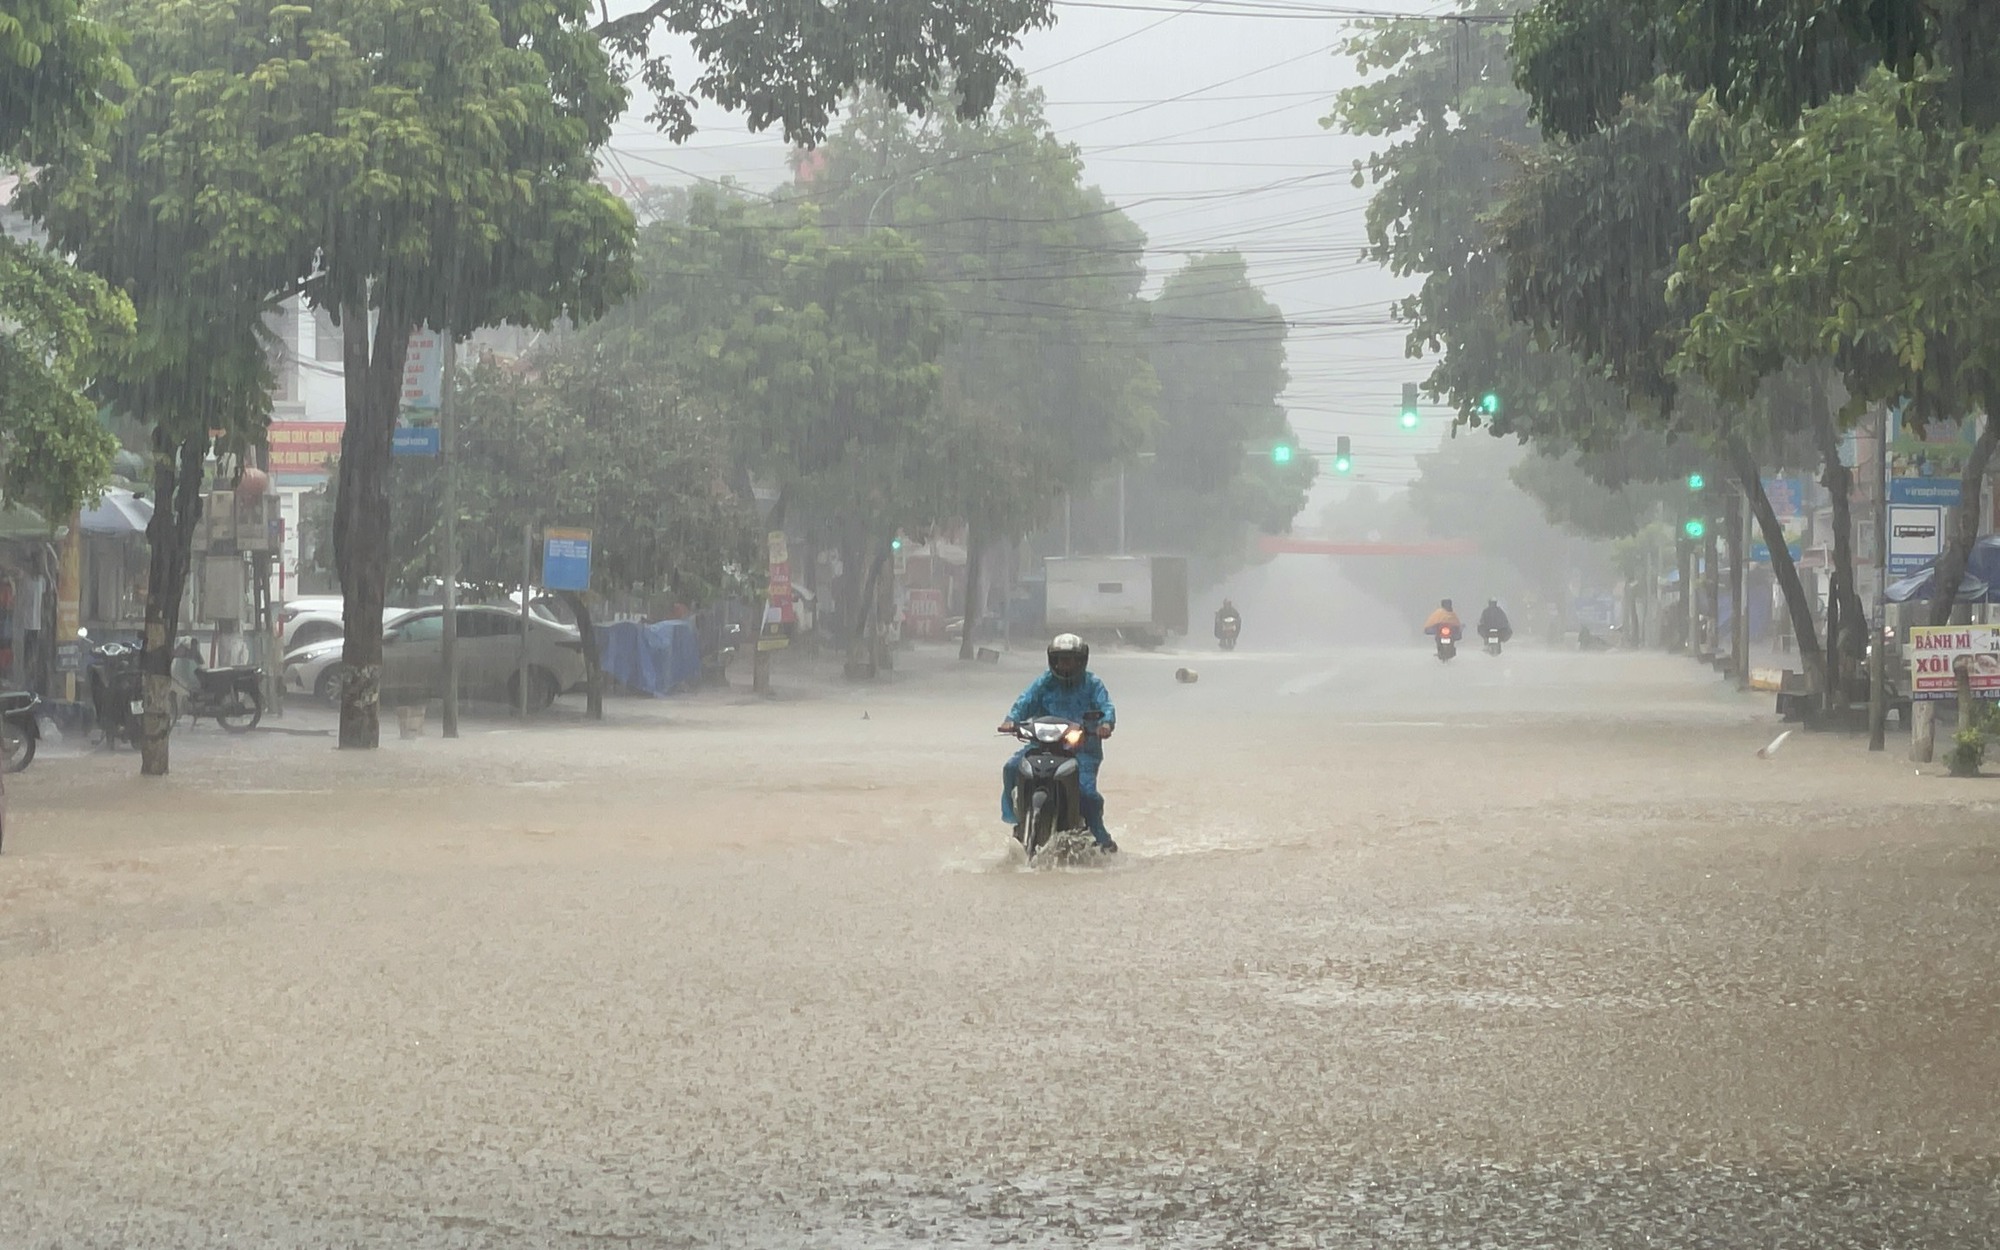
565, 559
1916, 537
423, 371
416, 440
301, 450
1938, 653
69, 657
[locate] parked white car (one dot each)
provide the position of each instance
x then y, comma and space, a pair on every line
489, 641
307, 620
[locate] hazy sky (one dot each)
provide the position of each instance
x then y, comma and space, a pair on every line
1205, 128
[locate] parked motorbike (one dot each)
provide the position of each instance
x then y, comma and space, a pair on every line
117, 689
19, 731
232, 697
1447, 641
1493, 640
1227, 630
1048, 794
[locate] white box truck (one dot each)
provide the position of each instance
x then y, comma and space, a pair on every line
1144, 599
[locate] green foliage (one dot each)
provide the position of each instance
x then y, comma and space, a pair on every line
56, 453
1580, 59
793, 64
1590, 234
1045, 375
1858, 237
807, 347
1459, 131
576, 436
54, 66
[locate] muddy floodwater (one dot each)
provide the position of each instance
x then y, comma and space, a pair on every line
1528, 951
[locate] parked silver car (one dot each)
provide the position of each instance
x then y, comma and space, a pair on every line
489, 642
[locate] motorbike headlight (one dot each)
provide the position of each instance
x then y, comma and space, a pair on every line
1052, 732
1073, 738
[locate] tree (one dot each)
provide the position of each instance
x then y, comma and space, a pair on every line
1580, 59
812, 350
1860, 235
1591, 233
133, 204
793, 65
418, 162
1217, 347
1046, 372
575, 435
55, 65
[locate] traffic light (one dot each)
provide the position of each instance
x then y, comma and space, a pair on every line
1281, 454
1489, 404
1696, 481
1410, 416
895, 544
1343, 456
1694, 527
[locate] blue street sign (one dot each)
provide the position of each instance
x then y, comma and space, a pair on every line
416, 440
565, 559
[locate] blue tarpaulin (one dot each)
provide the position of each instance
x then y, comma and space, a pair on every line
656, 659
1981, 583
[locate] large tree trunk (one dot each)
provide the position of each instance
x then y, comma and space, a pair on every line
1846, 646
974, 599
860, 638
593, 669
177, 474
1965, 525
1787, 573
374, 382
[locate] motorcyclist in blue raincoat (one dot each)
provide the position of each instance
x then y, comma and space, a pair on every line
1068, 690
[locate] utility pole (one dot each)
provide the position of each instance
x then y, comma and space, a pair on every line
1121, 510
448, 448
1712, 591
527, 575
1739, 586
1878, 649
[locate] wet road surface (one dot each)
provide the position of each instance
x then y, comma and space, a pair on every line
1518, 952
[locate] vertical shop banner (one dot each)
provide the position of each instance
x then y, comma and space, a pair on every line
778, 609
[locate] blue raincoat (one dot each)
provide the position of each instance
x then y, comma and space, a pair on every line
1049, 695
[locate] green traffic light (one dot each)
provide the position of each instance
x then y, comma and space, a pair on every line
1409, 418
1489, 403
1694, 528
1696, 481
1342, 464
895, 544
1281, 454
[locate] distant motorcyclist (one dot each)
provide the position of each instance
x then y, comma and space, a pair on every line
1071, 691
1494, 621
1228, 624
1443, 617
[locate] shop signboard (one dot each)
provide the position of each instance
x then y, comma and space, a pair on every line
1939, 653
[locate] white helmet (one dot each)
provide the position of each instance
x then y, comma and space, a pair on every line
1068, 644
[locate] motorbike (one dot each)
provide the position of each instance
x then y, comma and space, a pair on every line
1048, 794
19, 731
1447, 641
1227, 630
232, 697
117, 689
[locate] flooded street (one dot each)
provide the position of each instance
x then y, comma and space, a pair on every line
1516, 952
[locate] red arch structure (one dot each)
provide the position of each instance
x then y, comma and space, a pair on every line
1286, 545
